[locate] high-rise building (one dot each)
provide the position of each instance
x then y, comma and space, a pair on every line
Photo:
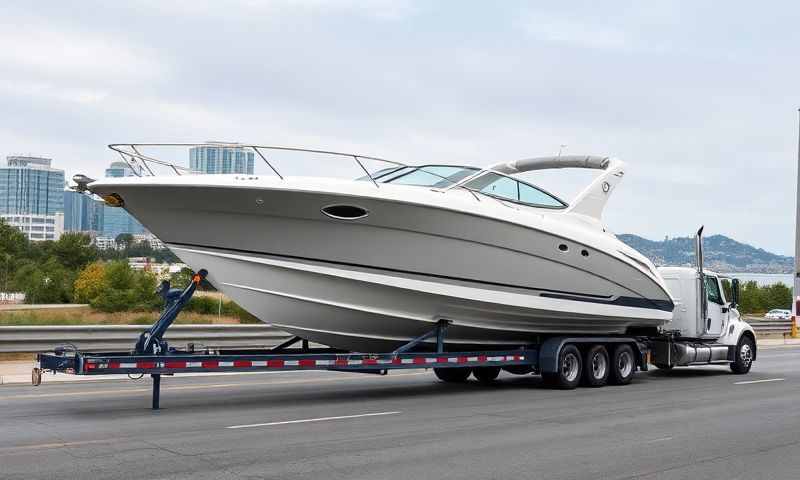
221, 159
119, 169
115, 219
31, 197
82, 213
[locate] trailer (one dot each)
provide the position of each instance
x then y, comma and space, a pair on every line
564, 361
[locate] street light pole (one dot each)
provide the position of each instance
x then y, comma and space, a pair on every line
796, 302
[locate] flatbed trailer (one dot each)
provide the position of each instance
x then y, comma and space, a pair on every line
564, 361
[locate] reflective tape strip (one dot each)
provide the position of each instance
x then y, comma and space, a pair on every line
224, 364
194, 364
291, 363
259, 363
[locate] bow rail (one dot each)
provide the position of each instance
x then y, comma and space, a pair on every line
143, 165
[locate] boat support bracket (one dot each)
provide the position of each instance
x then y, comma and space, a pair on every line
438, 332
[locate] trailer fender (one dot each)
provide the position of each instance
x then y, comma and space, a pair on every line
551, 348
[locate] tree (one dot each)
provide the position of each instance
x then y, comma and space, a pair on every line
46, 282
90, 283
13, 248
126, 289
74, 250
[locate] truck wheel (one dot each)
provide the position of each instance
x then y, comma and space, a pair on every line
569, 371
452, 375
623, 365
744, 355
596, 366
485, 374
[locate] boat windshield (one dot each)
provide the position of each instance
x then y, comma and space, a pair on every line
513, 190
489, 183
435, 176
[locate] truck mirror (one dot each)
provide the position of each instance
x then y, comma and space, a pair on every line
734, 293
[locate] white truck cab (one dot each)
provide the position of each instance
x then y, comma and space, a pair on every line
706, 327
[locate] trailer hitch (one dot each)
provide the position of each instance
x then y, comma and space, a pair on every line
152, 342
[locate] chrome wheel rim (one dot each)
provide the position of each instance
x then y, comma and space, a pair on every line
746, 354
599, 366
570, 367
624, 364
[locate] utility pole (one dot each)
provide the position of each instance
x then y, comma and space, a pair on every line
796, 309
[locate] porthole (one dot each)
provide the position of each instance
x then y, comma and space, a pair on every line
345, 212
563, 247
585, 252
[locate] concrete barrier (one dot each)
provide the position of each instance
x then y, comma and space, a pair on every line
123, 337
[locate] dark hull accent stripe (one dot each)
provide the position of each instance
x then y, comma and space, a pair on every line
638, 302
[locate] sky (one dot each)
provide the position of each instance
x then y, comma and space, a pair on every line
699, 98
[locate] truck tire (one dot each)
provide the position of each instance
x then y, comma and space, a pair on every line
570, 368
486, 374
596, 366
623, 365
452, 375
745, 351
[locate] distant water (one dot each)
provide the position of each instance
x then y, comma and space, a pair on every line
764, 279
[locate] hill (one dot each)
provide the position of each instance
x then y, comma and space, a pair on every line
722, 254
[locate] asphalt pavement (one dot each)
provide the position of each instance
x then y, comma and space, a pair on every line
688, 423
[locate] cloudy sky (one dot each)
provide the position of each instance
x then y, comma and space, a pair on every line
699, 98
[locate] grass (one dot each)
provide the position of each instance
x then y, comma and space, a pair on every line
88, 316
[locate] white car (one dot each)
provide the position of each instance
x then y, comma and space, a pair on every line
778, 314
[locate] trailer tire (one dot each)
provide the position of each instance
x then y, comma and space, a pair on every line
452, 375
745, 350
486, 374
623, 365
596, 366
570, 368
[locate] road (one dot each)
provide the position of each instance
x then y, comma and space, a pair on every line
689, 423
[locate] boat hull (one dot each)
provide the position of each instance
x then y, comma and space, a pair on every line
371, 310
377, 282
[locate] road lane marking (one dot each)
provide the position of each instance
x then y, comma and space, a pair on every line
662, 439
310, 420
43, 446
198, 387
748, 382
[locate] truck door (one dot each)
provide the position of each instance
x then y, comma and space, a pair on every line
717, 310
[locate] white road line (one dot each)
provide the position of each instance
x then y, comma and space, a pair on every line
759, 381
309, 420
656, 440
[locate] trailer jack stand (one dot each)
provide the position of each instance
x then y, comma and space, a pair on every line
156, 390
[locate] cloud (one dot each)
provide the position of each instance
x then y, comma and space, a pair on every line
700, 101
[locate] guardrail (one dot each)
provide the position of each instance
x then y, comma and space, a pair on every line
123, 337
762, 325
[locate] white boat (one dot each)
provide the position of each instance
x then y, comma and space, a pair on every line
368, 264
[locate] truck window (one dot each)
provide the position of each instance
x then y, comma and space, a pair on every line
712, 290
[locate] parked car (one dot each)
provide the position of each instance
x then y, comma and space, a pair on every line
778, 314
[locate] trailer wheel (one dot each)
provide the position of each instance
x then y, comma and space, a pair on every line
486, 374
744, 355
623, 365
596, 366
569, 371
452, 375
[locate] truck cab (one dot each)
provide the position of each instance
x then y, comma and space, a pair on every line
706, 326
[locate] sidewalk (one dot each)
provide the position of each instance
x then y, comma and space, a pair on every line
19, 371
